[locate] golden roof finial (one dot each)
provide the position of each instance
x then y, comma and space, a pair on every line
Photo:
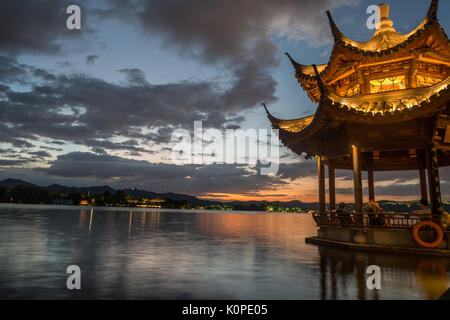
385, 24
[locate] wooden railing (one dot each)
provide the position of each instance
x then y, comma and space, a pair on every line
366, 220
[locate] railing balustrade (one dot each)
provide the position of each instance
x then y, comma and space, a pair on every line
372, 220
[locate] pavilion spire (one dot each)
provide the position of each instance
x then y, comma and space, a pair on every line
385, 24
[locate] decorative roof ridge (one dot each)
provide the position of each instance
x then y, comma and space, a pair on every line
395, 48
337, 34
299, 68
282, 120
269, 115
430, 19
432, 11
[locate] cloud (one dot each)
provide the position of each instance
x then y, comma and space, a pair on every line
12, 162
33, 27
91, 59
40, 154
99, 146
78, 107
122, 172
237, 35
296, 170
134, 76
21, 143
50, 148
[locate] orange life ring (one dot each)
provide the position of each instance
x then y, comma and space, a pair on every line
435, 226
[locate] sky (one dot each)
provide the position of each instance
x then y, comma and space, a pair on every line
98, 106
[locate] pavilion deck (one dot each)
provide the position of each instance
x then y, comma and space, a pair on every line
385, 232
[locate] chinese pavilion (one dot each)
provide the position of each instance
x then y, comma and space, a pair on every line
383, 105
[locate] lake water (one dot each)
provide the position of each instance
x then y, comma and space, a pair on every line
135, 254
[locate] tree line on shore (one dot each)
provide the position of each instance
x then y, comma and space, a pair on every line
17, 191
32, 194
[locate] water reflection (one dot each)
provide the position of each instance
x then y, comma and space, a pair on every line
137, 254
402, 276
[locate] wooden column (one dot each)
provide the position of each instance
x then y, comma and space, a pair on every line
413, 73
356, 153
423, 183
332, 187
321, 169
371, 184
433, 179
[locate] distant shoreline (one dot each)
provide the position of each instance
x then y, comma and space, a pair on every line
133, 209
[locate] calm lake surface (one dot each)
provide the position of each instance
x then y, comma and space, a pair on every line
127, 254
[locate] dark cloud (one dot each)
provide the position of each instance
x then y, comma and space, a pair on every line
134, 76
99, 146
236, 35
34, 26
91, 59
10, 71
12, 162
235, 30
50, 148
60, 143
233, 34
295, 170
98, 150
198, 179
21, 144
40, 154
79, 107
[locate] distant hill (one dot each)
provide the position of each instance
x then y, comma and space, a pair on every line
138, 194
135, 193
93, 190
11, 183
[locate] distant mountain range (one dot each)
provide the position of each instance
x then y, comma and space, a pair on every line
137, 194
405, 206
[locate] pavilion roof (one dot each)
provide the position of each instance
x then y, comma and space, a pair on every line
428, 39
340, 119
386, 108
